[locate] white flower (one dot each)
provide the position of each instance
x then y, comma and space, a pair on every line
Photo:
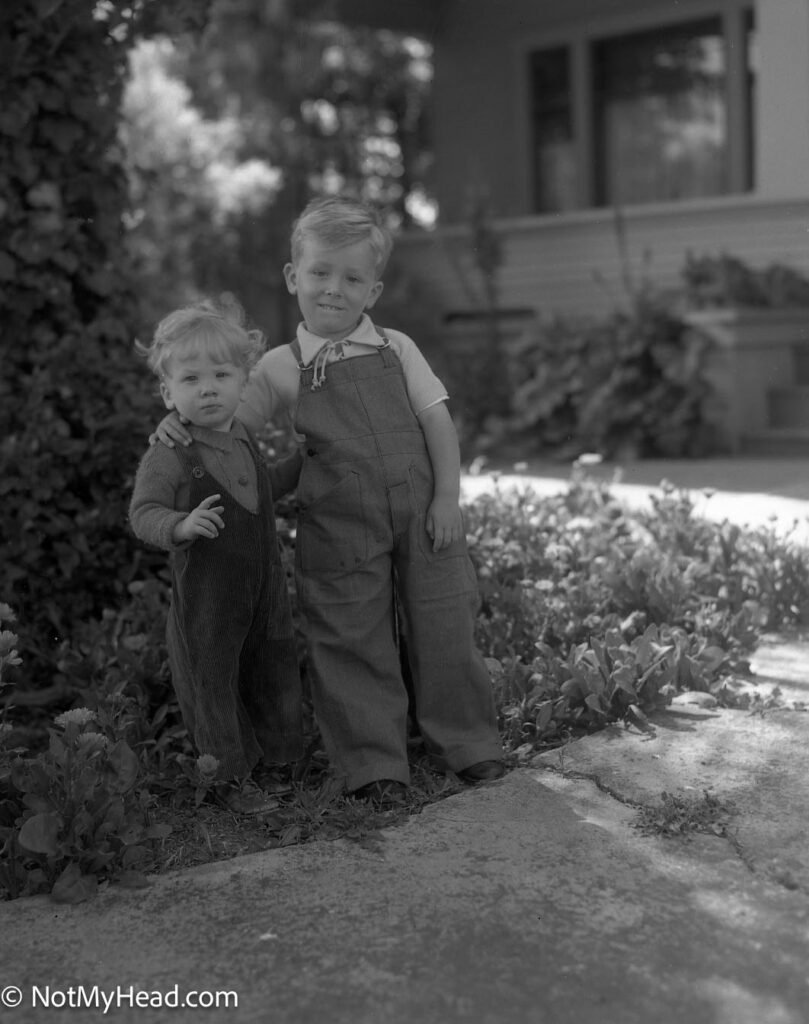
80, 716
207, 765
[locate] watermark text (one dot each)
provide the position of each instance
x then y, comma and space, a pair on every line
122, 996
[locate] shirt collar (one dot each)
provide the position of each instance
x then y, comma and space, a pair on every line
363, 334
224, 440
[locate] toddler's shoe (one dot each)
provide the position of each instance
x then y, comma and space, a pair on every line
246, 798
273, 780
483, 771
383, 793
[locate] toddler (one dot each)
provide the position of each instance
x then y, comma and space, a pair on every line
230, 636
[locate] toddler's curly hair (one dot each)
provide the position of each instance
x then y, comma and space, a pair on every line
218, 326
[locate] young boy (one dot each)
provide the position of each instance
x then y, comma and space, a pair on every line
378, 518
230, 636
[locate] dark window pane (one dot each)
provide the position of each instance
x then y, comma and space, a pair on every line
554, 164
661, 114
752, 94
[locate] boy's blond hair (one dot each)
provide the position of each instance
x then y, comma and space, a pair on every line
337, 221
218, 326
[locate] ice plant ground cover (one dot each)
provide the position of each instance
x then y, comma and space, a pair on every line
590, 613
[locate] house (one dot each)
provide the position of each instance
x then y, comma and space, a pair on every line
691, 117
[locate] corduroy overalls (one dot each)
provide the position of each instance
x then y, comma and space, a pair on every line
364, 490
230, 636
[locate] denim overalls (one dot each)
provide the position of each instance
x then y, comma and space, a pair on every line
364, 491
230, 636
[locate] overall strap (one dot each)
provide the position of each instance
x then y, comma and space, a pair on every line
304, 372
386, 353
190, 460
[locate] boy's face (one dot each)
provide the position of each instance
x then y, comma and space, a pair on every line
334, 286
204, 391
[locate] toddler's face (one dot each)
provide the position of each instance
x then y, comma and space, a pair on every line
205, 391
334, 286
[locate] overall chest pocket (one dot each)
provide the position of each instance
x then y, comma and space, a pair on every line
332, 535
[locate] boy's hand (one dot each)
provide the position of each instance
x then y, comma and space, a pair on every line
444, 522
170, 429
203, 521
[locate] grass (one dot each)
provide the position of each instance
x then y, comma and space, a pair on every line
681, 815
313, 809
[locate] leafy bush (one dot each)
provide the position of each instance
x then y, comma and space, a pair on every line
80, 809
725, 280
590, 613
9, 658
633, 384
69, 441
85, 815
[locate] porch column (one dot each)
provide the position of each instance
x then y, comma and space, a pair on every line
782, 118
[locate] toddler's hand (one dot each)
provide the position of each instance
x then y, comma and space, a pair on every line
170, 429
444, 523
203, 521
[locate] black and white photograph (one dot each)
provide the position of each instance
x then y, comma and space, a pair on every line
404, 511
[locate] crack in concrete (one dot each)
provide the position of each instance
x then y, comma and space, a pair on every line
603, 787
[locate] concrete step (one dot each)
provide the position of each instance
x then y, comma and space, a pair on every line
788, 408
781, 443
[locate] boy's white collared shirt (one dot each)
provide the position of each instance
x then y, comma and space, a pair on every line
273, 386
364, 336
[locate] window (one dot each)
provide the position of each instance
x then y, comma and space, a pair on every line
653, 115
661, 117
554, 145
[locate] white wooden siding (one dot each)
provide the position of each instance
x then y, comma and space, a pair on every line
550, 264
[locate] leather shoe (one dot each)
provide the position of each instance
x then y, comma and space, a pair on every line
483, 771
383, 792
246, 798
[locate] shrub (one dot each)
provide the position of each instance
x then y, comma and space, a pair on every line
591, 613
85, 811
69, 439
631, 385
80, 809
725, 280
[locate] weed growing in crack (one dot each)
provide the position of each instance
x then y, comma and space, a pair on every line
680, 815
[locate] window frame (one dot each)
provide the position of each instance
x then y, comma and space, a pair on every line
579, 40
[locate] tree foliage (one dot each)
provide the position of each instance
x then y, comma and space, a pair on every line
250, 121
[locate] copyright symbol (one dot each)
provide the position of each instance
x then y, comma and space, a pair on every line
11, 996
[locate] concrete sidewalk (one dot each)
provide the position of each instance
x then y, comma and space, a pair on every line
530, 900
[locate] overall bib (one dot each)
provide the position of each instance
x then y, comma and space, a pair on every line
230, 636
364, 491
